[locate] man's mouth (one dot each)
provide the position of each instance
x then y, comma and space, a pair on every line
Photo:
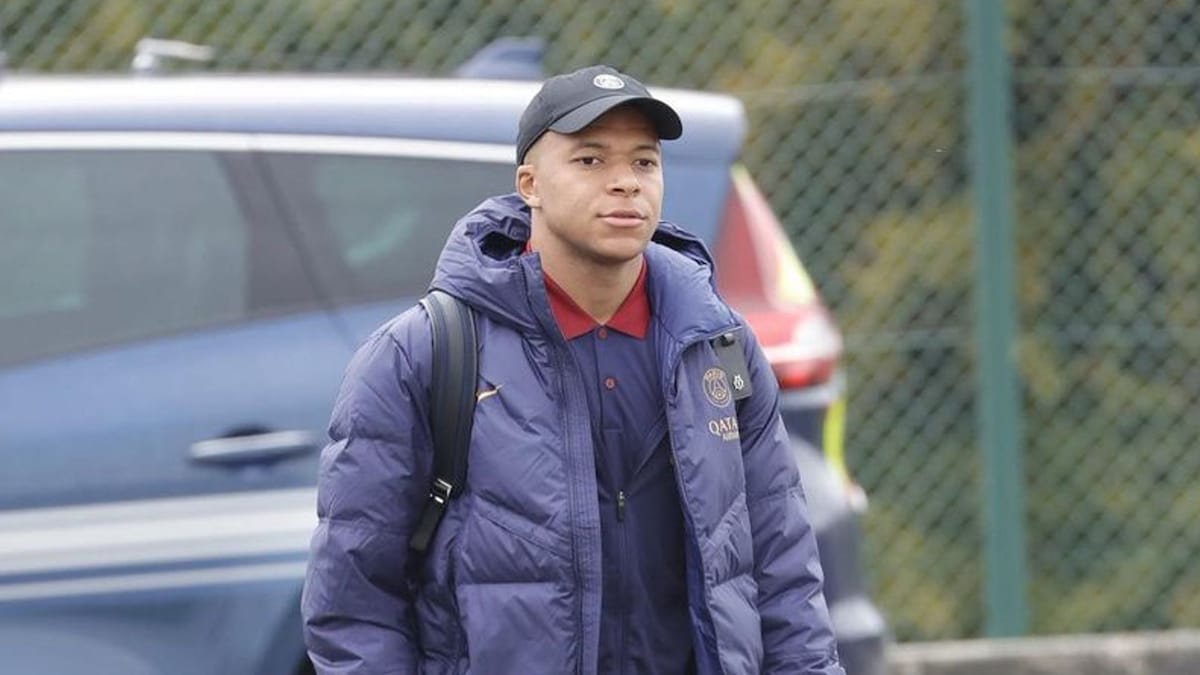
624, 217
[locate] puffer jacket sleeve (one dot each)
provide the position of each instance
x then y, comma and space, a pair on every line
373, 481
797, 634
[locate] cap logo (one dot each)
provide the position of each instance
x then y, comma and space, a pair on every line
606, 81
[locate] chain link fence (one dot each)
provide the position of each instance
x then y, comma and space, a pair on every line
1108, 127
859, 136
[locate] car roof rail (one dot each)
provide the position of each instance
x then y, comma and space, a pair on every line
151, 52
507, 58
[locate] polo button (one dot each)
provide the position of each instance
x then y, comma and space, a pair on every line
602, 333
610, 383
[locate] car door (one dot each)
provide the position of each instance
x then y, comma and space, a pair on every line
166, 375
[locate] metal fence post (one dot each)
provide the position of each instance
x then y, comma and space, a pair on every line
998, 404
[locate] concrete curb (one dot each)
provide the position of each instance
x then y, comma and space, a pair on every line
1165, 653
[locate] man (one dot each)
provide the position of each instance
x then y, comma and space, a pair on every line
623, 512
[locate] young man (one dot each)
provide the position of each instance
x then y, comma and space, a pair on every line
624, 511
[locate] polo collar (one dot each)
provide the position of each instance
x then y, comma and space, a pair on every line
632, 317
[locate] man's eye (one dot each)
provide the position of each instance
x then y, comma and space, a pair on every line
647, 163
588, 160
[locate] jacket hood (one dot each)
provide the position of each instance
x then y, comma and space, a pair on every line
483, 264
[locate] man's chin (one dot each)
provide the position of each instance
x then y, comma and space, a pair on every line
620, 254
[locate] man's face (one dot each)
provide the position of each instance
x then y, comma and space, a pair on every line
596, 195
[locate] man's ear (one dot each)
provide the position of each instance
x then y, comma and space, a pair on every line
526, 186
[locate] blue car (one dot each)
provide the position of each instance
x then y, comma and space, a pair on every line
187, 265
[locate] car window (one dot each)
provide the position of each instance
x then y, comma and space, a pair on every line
382, 220
103, 246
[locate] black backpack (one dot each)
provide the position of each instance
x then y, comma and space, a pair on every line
452, 405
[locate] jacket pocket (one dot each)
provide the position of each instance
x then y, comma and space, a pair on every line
519, 527
500, 545
730, 549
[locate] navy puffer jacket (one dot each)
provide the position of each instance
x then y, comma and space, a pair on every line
511, 583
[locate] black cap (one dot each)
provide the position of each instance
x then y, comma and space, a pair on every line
570, 102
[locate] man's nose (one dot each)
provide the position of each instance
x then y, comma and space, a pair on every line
625, 181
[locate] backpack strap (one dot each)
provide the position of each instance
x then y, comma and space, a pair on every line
452, 406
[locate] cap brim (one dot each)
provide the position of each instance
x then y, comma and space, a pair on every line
663, 116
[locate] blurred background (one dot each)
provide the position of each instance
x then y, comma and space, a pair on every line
861, 135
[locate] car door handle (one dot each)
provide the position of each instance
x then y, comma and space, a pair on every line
253, 448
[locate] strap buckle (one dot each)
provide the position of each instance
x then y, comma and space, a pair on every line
431, 515
440, 492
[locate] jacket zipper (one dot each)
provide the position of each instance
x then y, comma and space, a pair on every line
561, 358
571, 396
689, 523
623, 587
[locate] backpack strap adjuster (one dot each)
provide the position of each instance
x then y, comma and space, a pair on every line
440, 492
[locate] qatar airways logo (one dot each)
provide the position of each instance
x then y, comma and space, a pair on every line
725, 428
